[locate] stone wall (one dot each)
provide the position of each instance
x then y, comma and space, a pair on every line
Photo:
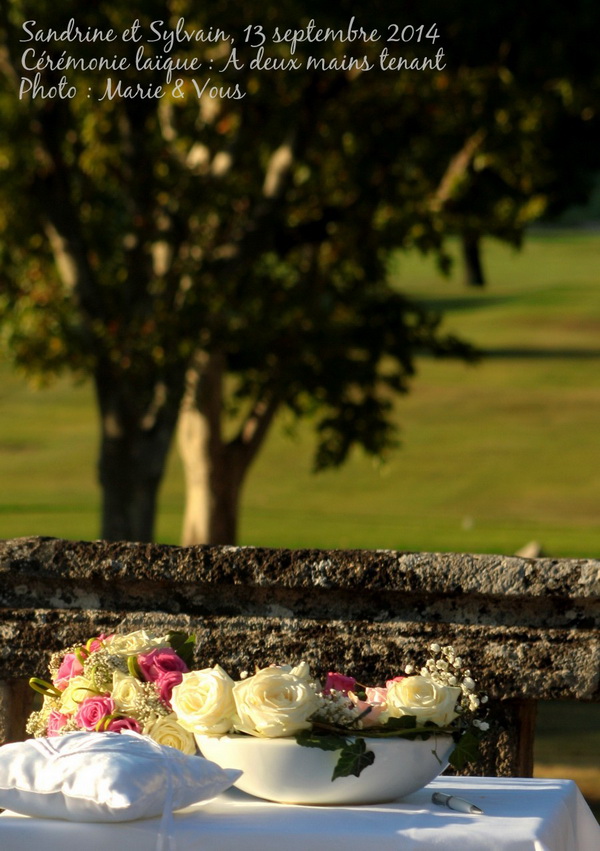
529, 627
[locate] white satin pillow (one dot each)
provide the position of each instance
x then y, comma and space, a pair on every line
104, 777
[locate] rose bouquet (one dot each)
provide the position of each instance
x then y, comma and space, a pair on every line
114, 683
143, 682
437, 699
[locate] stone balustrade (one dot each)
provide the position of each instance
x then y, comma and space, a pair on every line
530, 628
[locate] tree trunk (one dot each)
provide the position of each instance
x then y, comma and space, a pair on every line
215, 469
213, 486
213, 478
474, 275
137, 427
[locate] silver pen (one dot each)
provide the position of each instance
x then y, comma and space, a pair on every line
455, 803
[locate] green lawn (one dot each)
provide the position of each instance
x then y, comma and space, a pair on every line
492, 456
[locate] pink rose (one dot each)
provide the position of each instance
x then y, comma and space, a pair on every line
159, 661
394, 680
56, 721
339, 682
69, 667
165, 683
376, 695
92, 710
96, 643
374, 705
117, 725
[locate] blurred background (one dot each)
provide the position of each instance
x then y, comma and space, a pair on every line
493, 456
374, 296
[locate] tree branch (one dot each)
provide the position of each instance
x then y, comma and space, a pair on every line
456, 170
263, 219
62, 228
255, 427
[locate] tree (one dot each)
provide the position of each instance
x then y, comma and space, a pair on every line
533, 82
226, 254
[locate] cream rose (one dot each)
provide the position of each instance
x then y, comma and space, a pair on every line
126, 692
136, 642
275, 702
203, 701
421, 697
78, 689
165, 730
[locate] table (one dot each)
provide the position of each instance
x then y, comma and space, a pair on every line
519, 815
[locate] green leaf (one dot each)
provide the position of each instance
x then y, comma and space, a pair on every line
134, 668
405, 726
328, 742
183, 645
81, 654
43, 687
466, 750
353, 759
404, 722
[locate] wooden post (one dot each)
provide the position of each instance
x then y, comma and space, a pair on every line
526, 717
16, 702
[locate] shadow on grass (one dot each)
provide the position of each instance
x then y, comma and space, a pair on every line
463, 305
523, 352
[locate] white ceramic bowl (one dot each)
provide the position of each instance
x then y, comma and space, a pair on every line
283, 771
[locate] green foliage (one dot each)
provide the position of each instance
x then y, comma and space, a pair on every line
466, 750
134, 668
183, 644
147, 228
322, 741
354, 755
403, 724
354, 758
135, 231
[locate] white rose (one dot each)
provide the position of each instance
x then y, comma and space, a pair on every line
423, 698
136, 642
203, 701
78, 690
275, 702
165, 730
126, 692
302, 670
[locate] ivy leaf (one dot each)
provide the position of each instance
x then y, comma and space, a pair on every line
404, 722
406, 726
466, 750
353, 759
331, 742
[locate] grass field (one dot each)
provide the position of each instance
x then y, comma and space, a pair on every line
493, 455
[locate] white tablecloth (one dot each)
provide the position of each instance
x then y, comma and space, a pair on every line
519, 815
